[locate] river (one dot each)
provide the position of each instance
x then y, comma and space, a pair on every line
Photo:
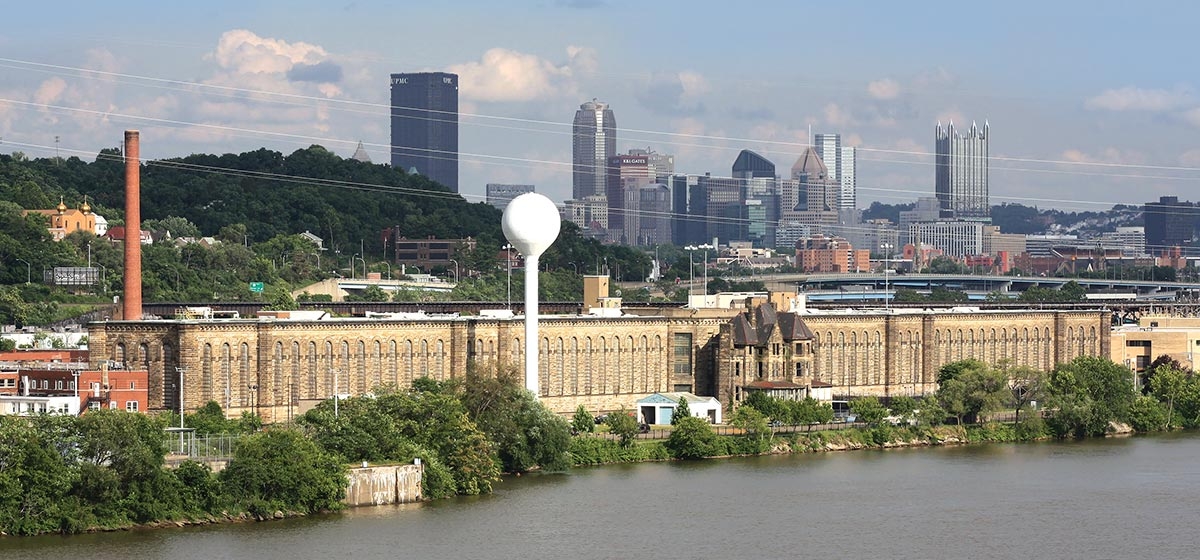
1112, 498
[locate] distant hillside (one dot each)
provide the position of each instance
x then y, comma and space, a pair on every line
341, 200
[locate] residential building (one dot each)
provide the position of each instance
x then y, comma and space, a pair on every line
961, 172
426, 253
593, 141
425, 125
830, 255
1130, 239
500, 194
955, 239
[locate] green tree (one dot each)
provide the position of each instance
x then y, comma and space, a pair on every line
868, 410
622, 424
283, 470
1146, 414
902, 407
1168, 384
753, 424
692, 438
375, 293
281, 300
524, 433
583, 422
1088, 393
681, 411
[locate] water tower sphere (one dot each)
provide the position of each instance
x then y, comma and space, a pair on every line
531, 223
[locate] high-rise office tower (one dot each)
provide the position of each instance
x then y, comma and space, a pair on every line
425, 125
761, 199
962, 173
842, 162
817, 191
593, 141
625, 172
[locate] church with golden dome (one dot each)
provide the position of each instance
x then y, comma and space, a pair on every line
65, 221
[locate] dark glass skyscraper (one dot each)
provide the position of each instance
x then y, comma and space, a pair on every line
425, 125
962, 173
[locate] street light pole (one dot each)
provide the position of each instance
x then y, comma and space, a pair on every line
336, 398
27, 271
455, 270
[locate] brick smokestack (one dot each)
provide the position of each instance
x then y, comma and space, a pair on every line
132, 308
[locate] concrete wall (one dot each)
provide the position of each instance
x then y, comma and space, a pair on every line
376, 486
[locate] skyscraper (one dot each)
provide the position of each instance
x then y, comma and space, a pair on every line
593, 141
962, 173
842, 162
425, 125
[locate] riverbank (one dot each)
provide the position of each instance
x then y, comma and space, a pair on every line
595, 450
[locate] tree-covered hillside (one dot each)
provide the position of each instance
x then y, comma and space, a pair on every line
255, 204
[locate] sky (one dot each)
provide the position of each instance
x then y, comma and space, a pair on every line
1090, 104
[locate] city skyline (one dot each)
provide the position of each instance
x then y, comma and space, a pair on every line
1085, 122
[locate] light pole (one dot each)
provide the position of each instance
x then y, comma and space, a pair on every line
455, 270
253, 387
353, 263
27, 273
181, 371
389, 269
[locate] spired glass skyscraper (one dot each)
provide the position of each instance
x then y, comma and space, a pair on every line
425, 125
593, 141
962, 173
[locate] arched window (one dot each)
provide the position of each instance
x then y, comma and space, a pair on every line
206, 375
227, 375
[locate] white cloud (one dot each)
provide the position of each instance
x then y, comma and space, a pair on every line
50, 91
507, 75
1107, 155
583, 60
886, 88
244, 52
951, 115
1190, 158
1192, 116
835, 115
1131, 98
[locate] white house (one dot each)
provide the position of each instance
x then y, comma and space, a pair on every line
660, 407
16, 405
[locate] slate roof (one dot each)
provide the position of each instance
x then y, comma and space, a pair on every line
766, 319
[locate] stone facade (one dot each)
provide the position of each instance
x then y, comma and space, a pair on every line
279, 368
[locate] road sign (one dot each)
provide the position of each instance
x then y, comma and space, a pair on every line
256, 287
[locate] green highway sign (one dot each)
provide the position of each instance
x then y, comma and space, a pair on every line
256, 287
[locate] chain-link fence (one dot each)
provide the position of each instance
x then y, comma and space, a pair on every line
186, 444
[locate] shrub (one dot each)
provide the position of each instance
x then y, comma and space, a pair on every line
693, 438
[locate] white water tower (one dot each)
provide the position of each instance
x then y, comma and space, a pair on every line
531, 224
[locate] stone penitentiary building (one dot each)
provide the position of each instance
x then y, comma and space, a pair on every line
281, 365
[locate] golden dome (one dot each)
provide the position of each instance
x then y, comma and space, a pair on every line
85, 208
61, 207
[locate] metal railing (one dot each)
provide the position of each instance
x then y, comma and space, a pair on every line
208, 447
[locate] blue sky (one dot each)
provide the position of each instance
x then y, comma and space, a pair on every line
1090, 104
